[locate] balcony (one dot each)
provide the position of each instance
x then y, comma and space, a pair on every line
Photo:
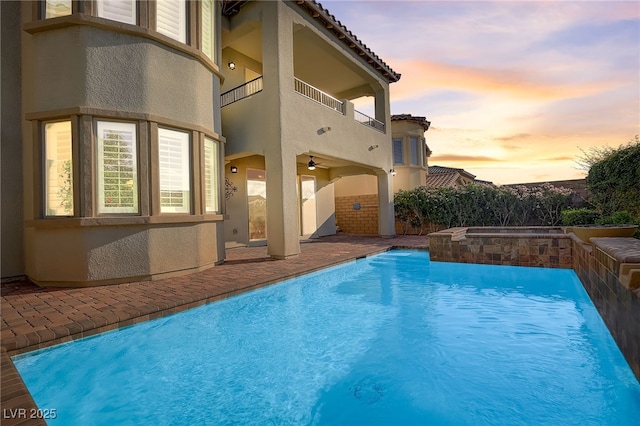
317, 95
243, 91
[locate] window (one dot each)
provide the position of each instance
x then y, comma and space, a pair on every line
171, 19
118, 10
414, 151
208, 28
55, 8
175, 171
211, 176
58, 173
117, 174
397, 151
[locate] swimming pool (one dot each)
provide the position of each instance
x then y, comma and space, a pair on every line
389, 339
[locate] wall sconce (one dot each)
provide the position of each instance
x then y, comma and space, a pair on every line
232, 65
393, 172
372, 147
312, 164
234, 169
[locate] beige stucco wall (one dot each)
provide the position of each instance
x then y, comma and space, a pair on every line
111, 72
11, 139
280, 124
408, 177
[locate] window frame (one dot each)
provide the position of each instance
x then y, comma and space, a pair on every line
398, 142
100, 4
414, 151
101, 209
186, 178
45, 169
211, 177
183, 21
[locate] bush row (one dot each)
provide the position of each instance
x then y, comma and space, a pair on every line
481, 205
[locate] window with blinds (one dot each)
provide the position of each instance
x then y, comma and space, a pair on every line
118, 10
58, 174
171, 19
208, 28
397, 151
117, 167
211, 176
175, 171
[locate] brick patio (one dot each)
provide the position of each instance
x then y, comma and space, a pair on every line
34, 317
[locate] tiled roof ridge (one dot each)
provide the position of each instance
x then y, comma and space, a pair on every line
408, 117
385, 69
443, 169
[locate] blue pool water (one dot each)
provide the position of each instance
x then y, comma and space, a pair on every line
390, 339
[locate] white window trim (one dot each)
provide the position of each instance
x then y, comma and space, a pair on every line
115, 126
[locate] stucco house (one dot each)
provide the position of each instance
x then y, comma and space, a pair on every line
112, 155
291, 71
122, 120
357, 197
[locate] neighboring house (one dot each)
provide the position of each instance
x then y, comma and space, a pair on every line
410, 151
356, 197
291, 70
113, 154
112, 147
448, 177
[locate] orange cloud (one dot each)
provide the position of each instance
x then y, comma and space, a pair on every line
420, 76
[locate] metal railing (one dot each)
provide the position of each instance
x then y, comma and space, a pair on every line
365, 120
243, 91
319, 96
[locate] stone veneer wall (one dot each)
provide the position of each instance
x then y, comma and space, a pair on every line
601, 267
494, 246
352, 221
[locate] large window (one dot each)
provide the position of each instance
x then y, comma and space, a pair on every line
118, 10
414, 151
175, 171
211, 187
208, 28
117, 167
171, 19
397, 151
58, 173
55, 8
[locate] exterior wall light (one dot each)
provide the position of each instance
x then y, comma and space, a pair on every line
312, 164
232, 65
234, 169
393, 172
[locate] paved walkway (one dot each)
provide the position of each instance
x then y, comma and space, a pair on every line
34, 317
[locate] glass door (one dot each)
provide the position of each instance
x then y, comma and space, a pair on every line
257, 199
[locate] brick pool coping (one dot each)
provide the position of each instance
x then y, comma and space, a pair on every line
34, 317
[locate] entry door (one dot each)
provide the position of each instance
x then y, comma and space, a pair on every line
308, 219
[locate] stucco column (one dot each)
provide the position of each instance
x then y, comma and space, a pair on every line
386, 217
280, 159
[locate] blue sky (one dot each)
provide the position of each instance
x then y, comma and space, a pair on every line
514, 90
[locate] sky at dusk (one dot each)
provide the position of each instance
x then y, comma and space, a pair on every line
514, 90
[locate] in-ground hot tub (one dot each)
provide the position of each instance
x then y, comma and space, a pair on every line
545, 246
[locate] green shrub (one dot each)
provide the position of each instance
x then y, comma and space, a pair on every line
618, 218
583, 216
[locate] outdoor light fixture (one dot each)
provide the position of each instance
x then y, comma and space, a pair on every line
312, 164
234, 169
232, 65
393, 172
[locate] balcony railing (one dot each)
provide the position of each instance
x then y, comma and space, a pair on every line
368, 121
247, 89
319, 96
